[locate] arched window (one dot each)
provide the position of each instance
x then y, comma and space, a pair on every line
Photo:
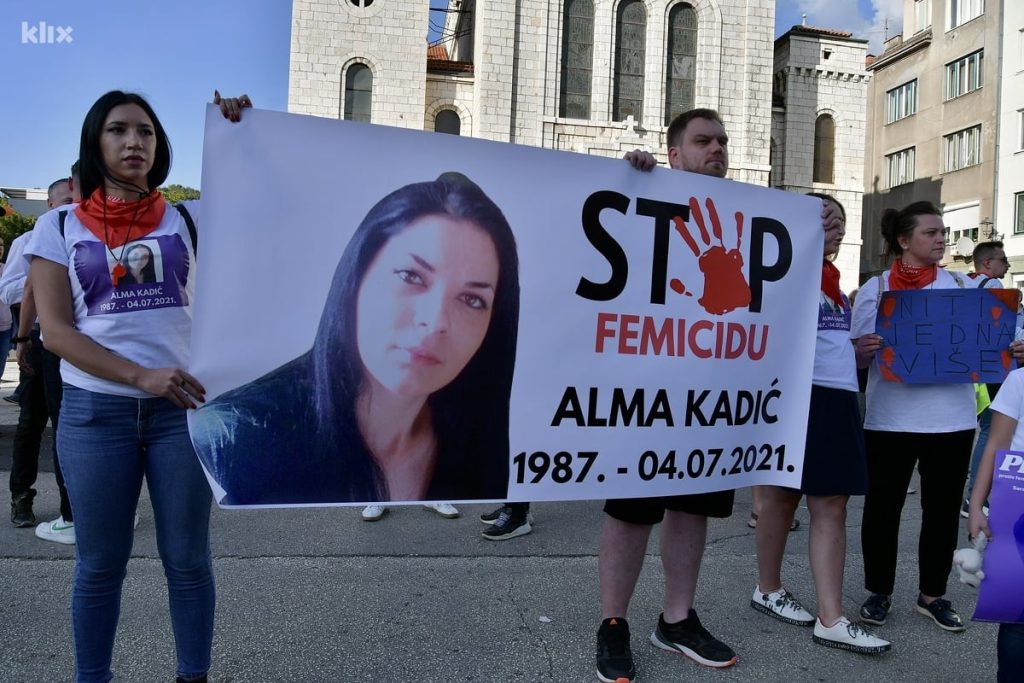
681, 64
824, 149
358, 93
630, 30
447, 121
577, 59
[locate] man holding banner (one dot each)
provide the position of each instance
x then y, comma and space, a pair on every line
697, 142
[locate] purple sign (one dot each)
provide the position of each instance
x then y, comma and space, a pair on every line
1001, 594
946, 336
155, 271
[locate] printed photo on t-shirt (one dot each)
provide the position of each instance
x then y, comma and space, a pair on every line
834, 315
144, 274
140, 264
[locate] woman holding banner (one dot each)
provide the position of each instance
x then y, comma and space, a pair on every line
927, 425
1006, 433
834, 469
126, 390
404, 395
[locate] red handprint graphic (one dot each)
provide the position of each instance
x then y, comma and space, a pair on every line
725, 287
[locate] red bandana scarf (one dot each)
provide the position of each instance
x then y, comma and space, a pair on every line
903, 276
115, 222
830, 283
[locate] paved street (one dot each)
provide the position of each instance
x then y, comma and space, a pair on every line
320, 595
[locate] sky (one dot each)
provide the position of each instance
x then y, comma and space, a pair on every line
176, 53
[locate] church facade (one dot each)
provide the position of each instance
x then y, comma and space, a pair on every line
597, 77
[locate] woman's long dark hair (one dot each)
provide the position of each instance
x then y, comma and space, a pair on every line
93, 171
470, 415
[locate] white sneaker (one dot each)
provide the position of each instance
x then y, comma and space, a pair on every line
371, 513
781, 605
57, 531
446, 510
847, 635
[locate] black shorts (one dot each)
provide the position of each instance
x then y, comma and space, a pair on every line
652, 510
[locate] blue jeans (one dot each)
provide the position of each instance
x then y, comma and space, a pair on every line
984, 424
107, 444
5, 343
1010, 650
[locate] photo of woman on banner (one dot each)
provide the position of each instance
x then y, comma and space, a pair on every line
404, 395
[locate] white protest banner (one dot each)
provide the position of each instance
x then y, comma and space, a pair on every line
386, 314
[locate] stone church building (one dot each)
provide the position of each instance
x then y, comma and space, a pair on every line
598, 77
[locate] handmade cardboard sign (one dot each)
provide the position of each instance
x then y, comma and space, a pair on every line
946, 336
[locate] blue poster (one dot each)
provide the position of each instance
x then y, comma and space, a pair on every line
946, 336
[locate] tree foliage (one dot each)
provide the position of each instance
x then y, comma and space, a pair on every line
13, 224
178, 193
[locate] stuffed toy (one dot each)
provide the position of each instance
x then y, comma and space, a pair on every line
968, 562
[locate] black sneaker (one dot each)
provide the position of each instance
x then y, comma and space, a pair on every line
21, 510
875, 609
614, 658
492, 516
507, 526
942, 613
688, 637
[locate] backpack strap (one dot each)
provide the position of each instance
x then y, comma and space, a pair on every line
881, 290
61, 217
984, 282
958, 277
190, 224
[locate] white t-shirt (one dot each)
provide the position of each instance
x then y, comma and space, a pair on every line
989, 282
835, 363
12, 283
896, 407
1010, 402
148, 319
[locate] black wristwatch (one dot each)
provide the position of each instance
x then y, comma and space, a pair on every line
18, 340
